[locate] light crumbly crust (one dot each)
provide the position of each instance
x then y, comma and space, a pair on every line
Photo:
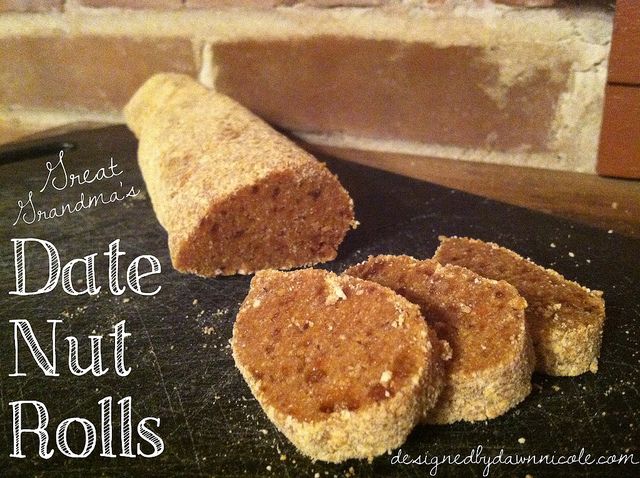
234, 195
565, 319
314, 302
483, 321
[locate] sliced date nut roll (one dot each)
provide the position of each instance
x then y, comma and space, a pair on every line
343, 367
234, 195
483, 321
565, 318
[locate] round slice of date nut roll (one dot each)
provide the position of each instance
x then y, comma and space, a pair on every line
483, 321
565, 319
345, 368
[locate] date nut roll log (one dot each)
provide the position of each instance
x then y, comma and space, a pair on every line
234, 195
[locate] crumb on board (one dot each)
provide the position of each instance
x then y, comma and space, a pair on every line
208, 330
221, 312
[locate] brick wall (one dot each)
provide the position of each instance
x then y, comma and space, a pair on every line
467, 79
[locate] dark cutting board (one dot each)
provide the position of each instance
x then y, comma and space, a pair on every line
183, 372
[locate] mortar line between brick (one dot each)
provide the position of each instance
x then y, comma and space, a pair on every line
51, 118
623, 83
208, 72
547, 160
284, 23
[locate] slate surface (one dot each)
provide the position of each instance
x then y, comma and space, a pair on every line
182, 367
